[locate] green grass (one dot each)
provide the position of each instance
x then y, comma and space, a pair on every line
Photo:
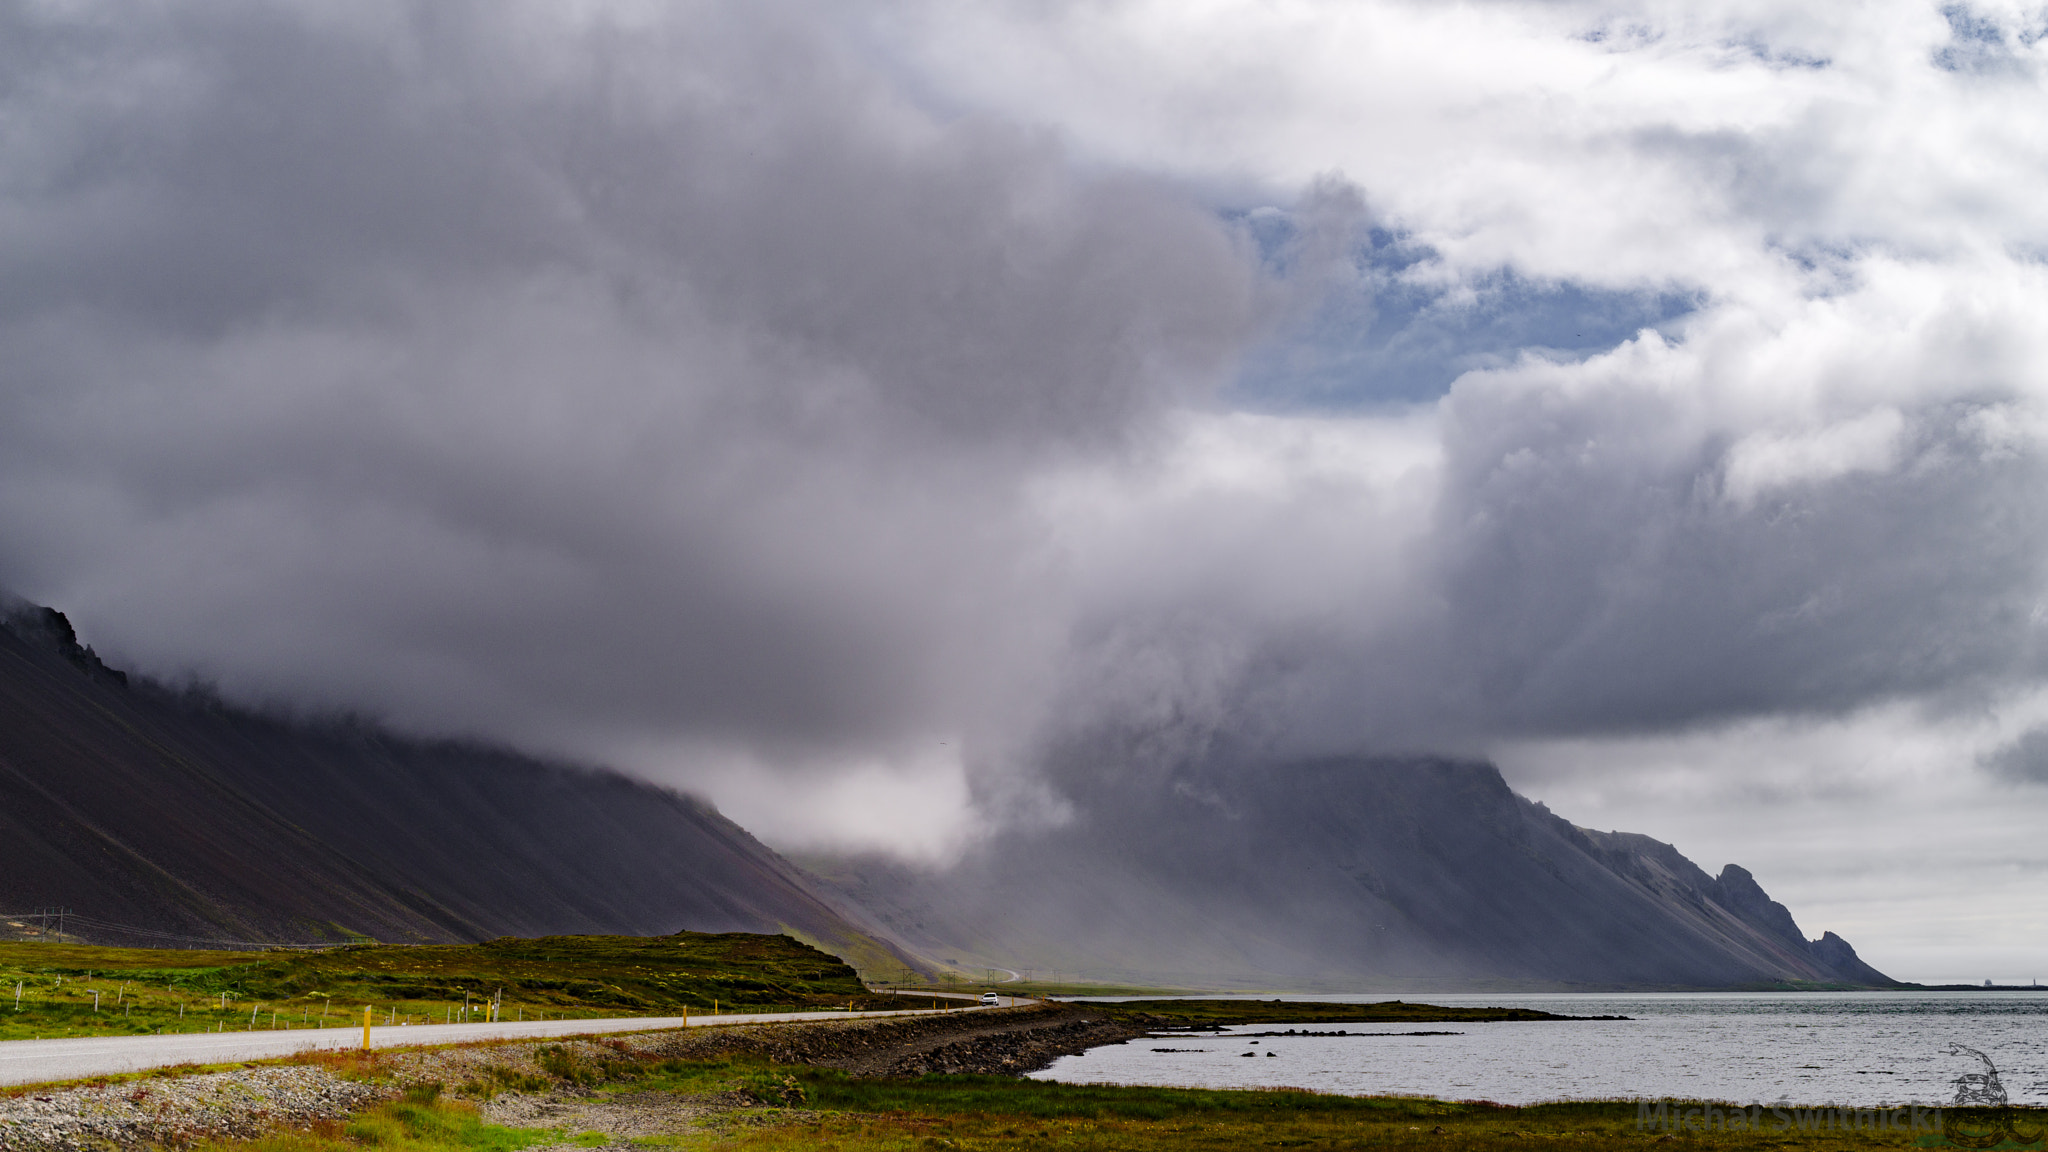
143, 990
981, 1112
1592, 1128
1044, 1100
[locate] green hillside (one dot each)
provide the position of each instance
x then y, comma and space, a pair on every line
143, 990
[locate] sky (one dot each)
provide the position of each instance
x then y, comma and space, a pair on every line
831, 408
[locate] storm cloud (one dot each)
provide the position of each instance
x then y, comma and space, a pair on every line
936, 408
578, 380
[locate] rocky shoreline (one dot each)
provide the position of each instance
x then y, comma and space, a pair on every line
1005, 1042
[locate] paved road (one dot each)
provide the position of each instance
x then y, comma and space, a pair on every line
42, 1061
971, 997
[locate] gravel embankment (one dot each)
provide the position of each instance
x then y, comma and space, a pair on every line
521, 1080
175, 1110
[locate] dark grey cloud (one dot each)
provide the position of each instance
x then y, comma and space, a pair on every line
1619, 586
573, 378
2023, 760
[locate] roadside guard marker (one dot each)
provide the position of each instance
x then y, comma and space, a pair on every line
366, 1027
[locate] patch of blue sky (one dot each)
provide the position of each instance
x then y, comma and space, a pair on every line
1760, 52
1980, 43
1382, 338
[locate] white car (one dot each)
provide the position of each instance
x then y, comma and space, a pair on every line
991, 998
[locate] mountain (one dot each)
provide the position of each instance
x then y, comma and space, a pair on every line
1343, 874
175, 813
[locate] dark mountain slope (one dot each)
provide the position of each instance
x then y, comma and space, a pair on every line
1342, 874
134, 804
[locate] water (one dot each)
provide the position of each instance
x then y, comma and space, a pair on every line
1863, 1048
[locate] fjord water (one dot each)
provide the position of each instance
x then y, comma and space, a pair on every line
1863, 1048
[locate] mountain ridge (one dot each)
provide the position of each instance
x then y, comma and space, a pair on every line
179, 813
1354, 872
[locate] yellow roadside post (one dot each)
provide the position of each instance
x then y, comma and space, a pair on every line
366, 1027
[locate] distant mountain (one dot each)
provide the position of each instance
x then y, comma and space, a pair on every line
138, 805
1343, 874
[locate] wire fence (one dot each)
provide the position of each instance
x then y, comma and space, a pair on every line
64, 922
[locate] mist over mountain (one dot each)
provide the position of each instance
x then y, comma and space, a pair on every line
1346, 873
175, 813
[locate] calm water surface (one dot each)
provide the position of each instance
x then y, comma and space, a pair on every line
1865, 1048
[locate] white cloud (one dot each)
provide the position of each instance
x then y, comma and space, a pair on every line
1763, 461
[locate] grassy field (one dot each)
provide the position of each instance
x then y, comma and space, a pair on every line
1000, 1113
813, 1110
141, 990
